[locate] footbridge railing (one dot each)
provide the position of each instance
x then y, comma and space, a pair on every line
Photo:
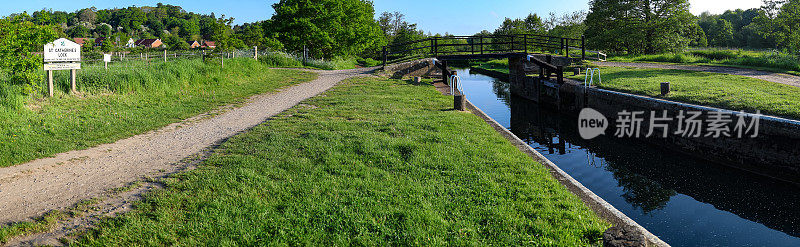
489, 44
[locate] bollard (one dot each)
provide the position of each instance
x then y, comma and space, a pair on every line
459, 102
664, 88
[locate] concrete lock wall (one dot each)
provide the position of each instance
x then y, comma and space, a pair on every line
775, 152
422, 67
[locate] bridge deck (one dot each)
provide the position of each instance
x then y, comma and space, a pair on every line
481, 56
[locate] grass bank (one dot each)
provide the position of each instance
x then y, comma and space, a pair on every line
703, 88
129, 99
374, 162
767, 61
285, 60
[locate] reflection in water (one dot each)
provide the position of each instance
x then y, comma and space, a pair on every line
685, 201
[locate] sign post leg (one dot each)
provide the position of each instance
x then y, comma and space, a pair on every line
50, 82
73, 74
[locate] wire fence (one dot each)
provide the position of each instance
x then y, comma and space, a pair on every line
166, 56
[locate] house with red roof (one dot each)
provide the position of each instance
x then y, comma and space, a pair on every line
81, 41
209, 44
193, 44
149, 43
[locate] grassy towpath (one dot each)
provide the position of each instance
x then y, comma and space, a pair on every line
372, 162
127, 101
726, 91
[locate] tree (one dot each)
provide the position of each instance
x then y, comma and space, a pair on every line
107, 46
104, 30
639, 26
19, 39
175, 42
328, 28
721, 34
781, 21
78, 31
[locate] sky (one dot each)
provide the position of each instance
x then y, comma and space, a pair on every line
460, 17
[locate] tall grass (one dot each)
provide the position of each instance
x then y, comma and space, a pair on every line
286, 60
765, 60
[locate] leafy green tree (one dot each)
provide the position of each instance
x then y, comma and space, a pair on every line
722, 33
104, 30
781, 22
328, 28
175, 42
78, 31
639, 26
19, 39
107, 46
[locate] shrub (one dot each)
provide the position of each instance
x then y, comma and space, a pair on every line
717, 54
280, 59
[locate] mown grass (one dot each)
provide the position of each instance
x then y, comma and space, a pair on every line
704, 88
126, 100
500, 65
711, 89
374, 162
767, 61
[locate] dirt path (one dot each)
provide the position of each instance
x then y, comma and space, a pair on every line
32, 189
763, 75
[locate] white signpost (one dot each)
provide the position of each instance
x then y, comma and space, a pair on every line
62, 54
106, 59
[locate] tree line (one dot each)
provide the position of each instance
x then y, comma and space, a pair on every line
656, 26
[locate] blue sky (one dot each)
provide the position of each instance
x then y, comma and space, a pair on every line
437, 16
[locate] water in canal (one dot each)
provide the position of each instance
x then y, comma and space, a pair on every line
683, 200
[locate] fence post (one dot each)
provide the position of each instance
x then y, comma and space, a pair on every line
525, 42
436, 46
433, 46
384, 57
73, 83
255, 51
583, 47
50, 82
165, 55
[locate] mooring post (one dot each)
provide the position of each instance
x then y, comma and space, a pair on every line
459, 101
560, 74
665, 88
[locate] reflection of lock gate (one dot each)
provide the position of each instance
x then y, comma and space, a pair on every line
455, 85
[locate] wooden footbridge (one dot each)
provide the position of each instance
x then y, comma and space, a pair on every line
519, 47
526, 54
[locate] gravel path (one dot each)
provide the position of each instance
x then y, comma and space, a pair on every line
32, 189
763, 75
